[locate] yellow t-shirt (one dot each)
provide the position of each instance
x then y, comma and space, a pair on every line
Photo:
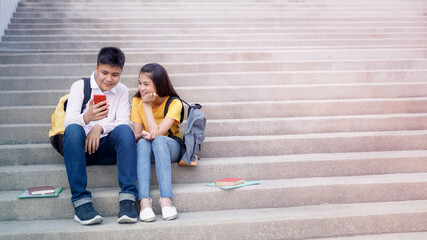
138, 114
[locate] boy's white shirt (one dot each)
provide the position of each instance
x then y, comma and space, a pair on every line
117, 98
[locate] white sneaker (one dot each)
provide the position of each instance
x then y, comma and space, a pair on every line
169, 213
147, 215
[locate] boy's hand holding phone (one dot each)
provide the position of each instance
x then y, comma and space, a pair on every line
98, 108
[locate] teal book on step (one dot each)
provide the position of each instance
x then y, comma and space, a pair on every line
246, 183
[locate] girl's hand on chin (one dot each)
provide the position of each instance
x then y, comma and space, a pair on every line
149, 98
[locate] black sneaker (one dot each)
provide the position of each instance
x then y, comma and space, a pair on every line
127, 212
86, 214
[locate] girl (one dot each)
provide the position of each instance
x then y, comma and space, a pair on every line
151, 133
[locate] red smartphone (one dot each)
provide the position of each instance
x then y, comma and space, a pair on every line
97, 98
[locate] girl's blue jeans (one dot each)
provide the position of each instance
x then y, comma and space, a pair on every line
118, 146
162, 151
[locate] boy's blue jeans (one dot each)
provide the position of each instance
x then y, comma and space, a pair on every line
162, 151
118, 146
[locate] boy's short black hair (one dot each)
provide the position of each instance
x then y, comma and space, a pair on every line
112, 56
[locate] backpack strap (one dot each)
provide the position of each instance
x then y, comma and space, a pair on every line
168, 102
87, 90
194, 106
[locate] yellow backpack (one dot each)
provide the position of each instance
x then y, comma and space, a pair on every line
57, 132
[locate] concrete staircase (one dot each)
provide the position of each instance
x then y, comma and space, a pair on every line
324, 101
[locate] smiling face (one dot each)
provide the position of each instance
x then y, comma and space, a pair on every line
107, 76
146, 85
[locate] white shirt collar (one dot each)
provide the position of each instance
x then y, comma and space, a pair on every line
95, 86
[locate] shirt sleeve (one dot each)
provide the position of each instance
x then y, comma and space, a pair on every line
135, 115
174, 111
122, 113
74, 105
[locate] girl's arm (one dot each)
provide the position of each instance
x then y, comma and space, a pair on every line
153, 128
137, 130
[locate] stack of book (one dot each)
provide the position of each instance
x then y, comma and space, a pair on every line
42, 191
230, 183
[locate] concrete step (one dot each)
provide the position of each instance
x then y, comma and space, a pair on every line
220, 8
182, 23
245, 93
222, 66
292, 166
234, 2
224, 6
135, 57
219, 5
10, 83
218, 21
216, 49
302, 125
235, 30
211, 22
255, 109
41, 154
301, 108
211, 12
313, 143
218, 13
261, 168
241, 146
44, 154
197, 197
228, 4
390, 236
208, 37
133, 44
241, 12
278, 223
37, 133
330, 220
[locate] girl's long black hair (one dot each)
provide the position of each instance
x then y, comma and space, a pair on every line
158, 74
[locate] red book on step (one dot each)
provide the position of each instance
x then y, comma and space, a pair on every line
229, 182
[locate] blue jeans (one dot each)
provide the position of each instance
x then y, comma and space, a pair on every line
162, 151
118, 146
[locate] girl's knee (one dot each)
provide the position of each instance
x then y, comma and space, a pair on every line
160, 142
143, 149
160, 139
143, 143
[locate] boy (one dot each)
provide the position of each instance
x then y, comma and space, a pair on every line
101, 135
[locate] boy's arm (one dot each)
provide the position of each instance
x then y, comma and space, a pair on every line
122, 113
74, 104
